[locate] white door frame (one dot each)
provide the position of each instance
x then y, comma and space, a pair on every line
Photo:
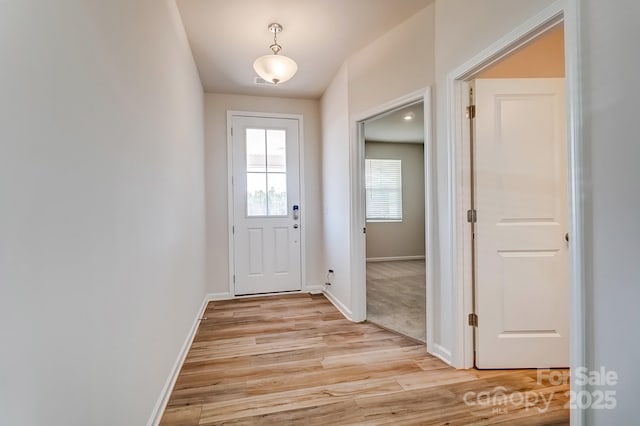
566, 11
303, 222
358, 222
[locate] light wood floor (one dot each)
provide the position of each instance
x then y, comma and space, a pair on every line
295, 360
396, 296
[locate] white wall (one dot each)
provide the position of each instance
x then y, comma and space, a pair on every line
398, 63
101, 208
216, 107
610, 92
335, 188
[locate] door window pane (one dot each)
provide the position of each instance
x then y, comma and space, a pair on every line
256, 150
277, 196
277, 151
256, 194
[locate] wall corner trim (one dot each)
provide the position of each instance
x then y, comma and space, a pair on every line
339, 305
441, 353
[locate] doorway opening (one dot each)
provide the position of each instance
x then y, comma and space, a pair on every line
516, 188
359, 214
459, 176
395, 221
519, 207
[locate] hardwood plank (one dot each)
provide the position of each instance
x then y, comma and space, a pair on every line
357, 358
295, 360
290, 400
343, 412
187, 415
331, 376
432, 378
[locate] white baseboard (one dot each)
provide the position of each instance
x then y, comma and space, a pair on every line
161, 404
339, 305
219, 296
314, 289
393, 259
440, 352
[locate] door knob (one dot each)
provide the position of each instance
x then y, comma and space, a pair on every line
566, 237
295, 226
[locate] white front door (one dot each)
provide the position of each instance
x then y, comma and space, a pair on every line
266, 205
521, 198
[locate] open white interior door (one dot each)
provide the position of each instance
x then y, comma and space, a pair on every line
521, 198
266, 205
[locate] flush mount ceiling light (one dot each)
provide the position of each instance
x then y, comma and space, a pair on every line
409, 116
275, 68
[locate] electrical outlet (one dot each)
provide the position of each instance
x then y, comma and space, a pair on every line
329, 277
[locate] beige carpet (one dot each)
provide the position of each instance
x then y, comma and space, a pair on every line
396, 296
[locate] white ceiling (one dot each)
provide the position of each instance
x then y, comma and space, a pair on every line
393, 127
226, 36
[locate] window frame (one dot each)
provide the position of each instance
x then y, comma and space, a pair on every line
398, 188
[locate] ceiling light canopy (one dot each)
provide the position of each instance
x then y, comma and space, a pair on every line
275, 68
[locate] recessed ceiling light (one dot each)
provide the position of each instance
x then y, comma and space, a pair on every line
408, 116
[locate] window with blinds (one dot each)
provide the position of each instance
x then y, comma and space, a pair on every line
383, 190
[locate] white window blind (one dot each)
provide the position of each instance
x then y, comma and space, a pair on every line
384, 190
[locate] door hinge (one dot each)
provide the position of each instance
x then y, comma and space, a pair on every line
473, 320
364, 230
234, 279
471, 112
472, 216
232, 131
233, 229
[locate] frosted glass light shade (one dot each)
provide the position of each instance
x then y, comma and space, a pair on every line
275, 68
